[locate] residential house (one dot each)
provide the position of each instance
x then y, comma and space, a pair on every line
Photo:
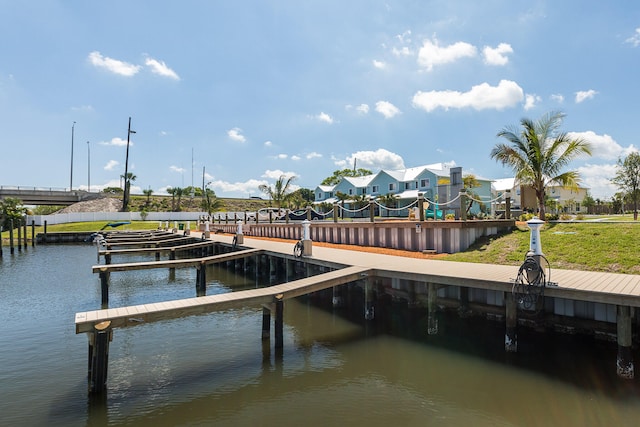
438, 183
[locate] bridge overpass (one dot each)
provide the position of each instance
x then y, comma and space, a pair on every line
46, 196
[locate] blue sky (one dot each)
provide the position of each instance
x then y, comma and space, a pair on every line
252, 90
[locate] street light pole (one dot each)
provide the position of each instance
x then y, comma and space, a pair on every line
71, 178
88, 166
125, 198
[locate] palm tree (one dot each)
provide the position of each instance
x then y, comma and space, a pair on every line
279, 193
342, 198
148, 193
210, 202
127, 189
539, 152
389, 200
470, 182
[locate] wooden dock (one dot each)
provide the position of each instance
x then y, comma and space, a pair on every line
616, 293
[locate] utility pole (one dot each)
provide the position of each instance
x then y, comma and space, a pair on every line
125, 197
71, 178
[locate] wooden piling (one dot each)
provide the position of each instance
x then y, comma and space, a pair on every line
266, 323
463, 309
11, 248
99, 357
33, 233
279, 323
45, 231
511, 314
24, 232
104, 286
172, 257
369, 309
432, 320
201, 280
624, 362
19, 236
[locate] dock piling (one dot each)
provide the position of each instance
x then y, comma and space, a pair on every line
99, 357
201, 280
432, 320
511, 314
624, 362
279, 322
104, 286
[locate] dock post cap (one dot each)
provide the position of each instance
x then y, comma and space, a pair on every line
102, 325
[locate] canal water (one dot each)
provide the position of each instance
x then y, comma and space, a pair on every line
336, 369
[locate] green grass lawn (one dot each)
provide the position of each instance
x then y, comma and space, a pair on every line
593, 246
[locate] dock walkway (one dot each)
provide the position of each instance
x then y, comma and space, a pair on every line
618, 291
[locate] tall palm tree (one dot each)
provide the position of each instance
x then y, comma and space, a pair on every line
538, 153
148, 193
127, 189
280, 191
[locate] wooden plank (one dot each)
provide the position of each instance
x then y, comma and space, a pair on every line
121, 317
177, 263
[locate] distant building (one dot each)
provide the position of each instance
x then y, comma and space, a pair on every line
523, 198
438, 183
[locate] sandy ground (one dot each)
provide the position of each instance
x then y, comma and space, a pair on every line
106, 204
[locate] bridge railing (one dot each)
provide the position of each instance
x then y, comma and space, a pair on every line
25, 188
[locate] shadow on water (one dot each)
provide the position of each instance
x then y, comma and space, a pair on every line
579, 360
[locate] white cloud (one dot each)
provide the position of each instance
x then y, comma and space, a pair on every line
558, 98
116, 142
498, 55
235, 134
313, 155
247, 187
401, 51
387, 109
635, 38
111, 165
598, 179
583, 95
362, 108
603, 146
268, 144
295, 158
276, 174
178, 169
480, 97
282, 156
431, 53
160, 68
113, 65
373, 160
324, 117
379, 64
530, 101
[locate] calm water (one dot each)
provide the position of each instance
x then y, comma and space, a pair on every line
335, 370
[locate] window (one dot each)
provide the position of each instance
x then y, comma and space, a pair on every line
351, 191
407, 186
319, 196
424, 183
376, 189
392, 187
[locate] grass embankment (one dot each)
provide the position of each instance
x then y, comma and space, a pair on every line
592, 246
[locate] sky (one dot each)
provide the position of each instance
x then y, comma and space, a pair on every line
238, 93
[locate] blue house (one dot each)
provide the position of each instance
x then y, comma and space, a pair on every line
437, 182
